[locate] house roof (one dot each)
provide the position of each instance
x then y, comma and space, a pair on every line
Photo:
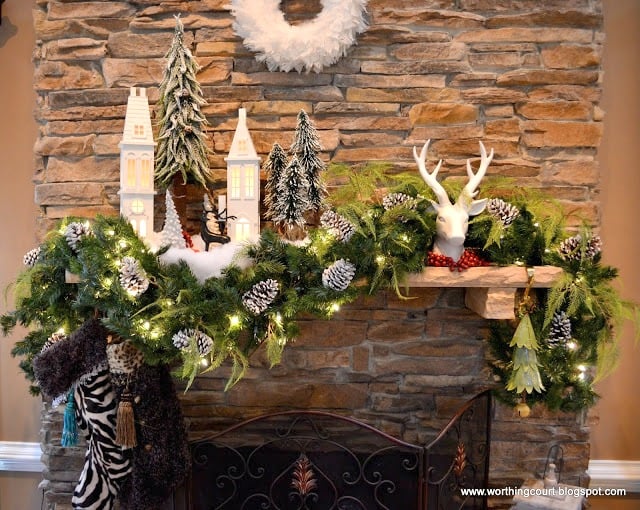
137, 115
242, 145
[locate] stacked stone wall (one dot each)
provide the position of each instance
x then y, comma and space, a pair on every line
523, 76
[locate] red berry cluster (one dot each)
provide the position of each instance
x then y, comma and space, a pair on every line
468, 259
187, 239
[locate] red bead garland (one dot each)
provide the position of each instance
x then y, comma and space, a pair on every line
468, 259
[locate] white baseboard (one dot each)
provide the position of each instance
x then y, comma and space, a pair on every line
615, 474
20, 457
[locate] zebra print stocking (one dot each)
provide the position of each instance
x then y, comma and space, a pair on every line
106, 464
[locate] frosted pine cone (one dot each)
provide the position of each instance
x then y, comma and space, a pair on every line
341, 228
133, 277
395, 199
338, 275
31, 257
182, 338
74, 233
502, 210
204, 342
570, 248
260, 296
560, 331
594, 246
53, 339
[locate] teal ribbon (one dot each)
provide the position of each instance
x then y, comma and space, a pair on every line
69, 425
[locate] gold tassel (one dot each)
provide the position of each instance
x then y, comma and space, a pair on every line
125, 423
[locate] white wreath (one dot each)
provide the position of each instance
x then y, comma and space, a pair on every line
311, 45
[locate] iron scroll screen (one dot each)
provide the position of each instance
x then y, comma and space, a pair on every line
313, 460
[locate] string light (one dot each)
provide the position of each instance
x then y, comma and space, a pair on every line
582, 369
234, 321
335, 307
571, 345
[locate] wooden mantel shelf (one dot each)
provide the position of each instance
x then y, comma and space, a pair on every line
490, 291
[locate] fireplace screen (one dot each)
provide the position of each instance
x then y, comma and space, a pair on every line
312, 460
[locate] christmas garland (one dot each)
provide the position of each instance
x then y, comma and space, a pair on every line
312, 45
365, 242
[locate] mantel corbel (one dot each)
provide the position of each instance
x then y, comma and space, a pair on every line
489, 291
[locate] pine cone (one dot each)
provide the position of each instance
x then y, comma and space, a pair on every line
594, 246
338, 275
502, 210
339, 226
31, 257
260, 296
560, 331
53, 339
133, 277
570, 248
395, 199
181, 338
74, 233
205, 343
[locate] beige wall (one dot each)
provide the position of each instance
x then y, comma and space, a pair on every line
615, 437
19, 412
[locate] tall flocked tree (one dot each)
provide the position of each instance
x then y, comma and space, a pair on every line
182, 143
291, 199
306, 147
274, 167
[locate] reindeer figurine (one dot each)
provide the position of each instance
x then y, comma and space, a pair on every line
453, 219
213, 224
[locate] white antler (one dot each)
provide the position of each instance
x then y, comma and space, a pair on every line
430, 178
474, 179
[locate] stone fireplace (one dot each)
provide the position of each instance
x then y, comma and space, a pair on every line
524, 78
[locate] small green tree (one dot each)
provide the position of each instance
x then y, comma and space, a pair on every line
182, 142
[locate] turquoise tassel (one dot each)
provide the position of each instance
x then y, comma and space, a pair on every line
69, 426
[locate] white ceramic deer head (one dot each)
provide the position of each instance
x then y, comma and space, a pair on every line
453, 219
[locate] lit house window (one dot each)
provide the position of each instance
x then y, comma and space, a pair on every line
248, 181
235, 183
242, 230
138, 130
142, 228
145, 173
131, 171
137, 206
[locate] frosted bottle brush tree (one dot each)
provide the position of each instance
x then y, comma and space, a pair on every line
291, 200
182, 142
306, 147
274, 168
